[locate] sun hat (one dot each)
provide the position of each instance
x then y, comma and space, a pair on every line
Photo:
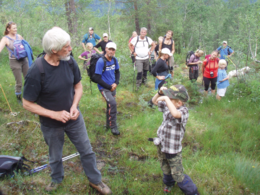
105, 35
91, 28
225, 42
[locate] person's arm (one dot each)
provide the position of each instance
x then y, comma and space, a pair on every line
96, 48
173, 47
3, 43
98, 38
130, 45
74, 112
62, 116
160, 46
98, 79
152, 48
80, 57
20, 37
174, 112
231, 52
203, 66
157, 95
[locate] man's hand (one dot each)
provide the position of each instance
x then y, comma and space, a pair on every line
101, 52
74, 113
149, 53
62, 116
114, 85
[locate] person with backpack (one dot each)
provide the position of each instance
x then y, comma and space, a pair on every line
90, 37
171, 102
168, 42
107, 76
86, 55
225, 52
18, 64
53, 89
102, 44
210, 72
139, 46
193, 62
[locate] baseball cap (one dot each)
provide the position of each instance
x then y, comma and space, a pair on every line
166, 51
91, 28
105, 35
178, 92
225, 42
111, 45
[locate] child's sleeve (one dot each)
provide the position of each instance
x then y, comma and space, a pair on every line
184, 115
161, 106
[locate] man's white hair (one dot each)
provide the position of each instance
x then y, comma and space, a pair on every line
54, 39
143, 28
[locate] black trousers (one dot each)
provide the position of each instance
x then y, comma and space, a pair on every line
211, 81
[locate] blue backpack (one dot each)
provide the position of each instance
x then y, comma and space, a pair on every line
19, 49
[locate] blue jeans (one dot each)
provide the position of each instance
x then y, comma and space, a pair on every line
77, 133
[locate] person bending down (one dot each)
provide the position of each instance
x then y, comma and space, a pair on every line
169, 137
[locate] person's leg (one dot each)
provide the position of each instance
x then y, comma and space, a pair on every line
213, 85
183, 181
196, 74
218, 97
112, 107
139, 67
25, 67
78, 135
166, 169
54, 138
146, 64
16, 67
206, 85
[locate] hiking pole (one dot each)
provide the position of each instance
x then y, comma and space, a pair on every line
232, 62
134, 78
12, 113
38, 169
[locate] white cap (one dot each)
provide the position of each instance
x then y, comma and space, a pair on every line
105, 35
166, 51
225, 42
111, 45
91, 28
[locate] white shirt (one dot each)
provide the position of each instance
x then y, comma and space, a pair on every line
142, 47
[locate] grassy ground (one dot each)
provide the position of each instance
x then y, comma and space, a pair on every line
220, 149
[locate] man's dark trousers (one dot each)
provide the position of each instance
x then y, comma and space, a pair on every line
111, 107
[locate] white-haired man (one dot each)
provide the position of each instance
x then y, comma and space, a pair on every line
139, 46
54, 83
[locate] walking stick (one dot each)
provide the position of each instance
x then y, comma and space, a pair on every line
134, 78
38, 169
11, 112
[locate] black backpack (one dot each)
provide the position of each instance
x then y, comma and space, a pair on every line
93, 62
11, 164
228, 51
189, 54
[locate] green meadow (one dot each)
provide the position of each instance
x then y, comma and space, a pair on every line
220, 148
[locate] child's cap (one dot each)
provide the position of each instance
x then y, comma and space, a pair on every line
178, 92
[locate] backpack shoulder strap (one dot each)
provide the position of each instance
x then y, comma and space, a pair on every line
147, 40
71, 63
105, 63
137, 39
39, 64
9, 38
16, 36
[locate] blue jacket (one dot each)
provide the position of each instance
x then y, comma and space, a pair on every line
29, 52
224, 52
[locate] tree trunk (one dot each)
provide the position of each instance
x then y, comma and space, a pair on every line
137, 26
108, 19
149, 28
71, 16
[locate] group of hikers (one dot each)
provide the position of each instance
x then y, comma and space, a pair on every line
53, 89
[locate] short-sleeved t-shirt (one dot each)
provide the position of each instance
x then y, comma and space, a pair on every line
222, 74
57, 91
194, 58
142, 47
102, 44
90, 38
87, 55
108, 76
224, 52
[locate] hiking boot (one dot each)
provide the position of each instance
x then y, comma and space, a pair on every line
52, 187
115, 131
102, 188
167, 189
